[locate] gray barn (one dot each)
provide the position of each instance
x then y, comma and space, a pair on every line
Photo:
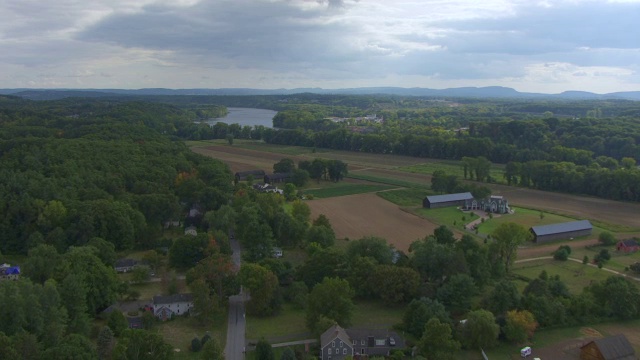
439, 201
562, 231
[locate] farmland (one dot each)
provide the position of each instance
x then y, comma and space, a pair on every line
382, 196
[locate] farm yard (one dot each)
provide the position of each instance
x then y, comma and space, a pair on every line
381, 197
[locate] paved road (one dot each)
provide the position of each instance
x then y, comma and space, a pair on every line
235, 347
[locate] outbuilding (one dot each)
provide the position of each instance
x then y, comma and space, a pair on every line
615, 347
561, 231
278, 178
440, 201
244, 175
628, 246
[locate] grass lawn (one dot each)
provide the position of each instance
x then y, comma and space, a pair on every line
452, 168
575, 275
447, 216
289, 322
618, 262
389, 181
404, 197
525, 217
277, 352
344, 189
180, 331
374, 314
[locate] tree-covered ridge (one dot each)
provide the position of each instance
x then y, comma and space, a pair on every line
74, 170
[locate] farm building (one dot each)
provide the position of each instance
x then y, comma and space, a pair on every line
244, 175
615, 347
546, 233
439, 201
492, 204
628, 246
278, 178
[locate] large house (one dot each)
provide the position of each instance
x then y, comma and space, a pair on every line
191, 230
8, 272
615, 347
439, 201
493, 204
337, 343
561, 231
166, 307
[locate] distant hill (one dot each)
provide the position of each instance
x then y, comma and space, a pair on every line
467, 92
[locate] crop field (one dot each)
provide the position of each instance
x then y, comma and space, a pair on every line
451, 168
345, 189
404, 197
355, 216
612, 215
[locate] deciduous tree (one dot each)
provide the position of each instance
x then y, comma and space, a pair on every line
332, 298
508, 237
437, 342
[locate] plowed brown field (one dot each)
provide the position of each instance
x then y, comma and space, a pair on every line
355, 216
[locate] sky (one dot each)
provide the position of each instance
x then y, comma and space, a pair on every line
546, 46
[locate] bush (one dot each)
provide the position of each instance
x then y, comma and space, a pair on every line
585, 260
606, 238
561, 254
196, 345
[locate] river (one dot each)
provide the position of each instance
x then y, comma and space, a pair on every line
247, 116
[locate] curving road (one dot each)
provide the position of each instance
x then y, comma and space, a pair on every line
234, 349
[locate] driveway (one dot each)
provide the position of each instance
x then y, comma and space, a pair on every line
235, 347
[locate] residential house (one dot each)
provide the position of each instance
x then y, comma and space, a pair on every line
166, 307
615, 347
277, 252
628, 246
493, 204
125, 265
171, 223
267, 188
561, 231
191, 230
8, 272
337, 343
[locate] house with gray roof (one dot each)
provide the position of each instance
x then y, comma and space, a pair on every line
337, 343
561, 231
440, 201
166, 307
615, 347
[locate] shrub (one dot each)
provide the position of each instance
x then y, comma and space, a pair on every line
561, 254
606, 238
585, 260
196, 345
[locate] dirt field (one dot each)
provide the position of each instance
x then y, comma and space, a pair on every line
361, 215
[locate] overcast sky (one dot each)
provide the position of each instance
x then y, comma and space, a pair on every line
540, 46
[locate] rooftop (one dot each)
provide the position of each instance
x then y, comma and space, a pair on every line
449, 197
562, 227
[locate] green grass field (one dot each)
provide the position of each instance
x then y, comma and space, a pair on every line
452, 168
389, 181
575, 275
289, 322
618, 262
404, 197
447, 216
344, 189
525, 217
180, 331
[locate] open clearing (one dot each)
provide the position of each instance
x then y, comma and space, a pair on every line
622, 217
355, 216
